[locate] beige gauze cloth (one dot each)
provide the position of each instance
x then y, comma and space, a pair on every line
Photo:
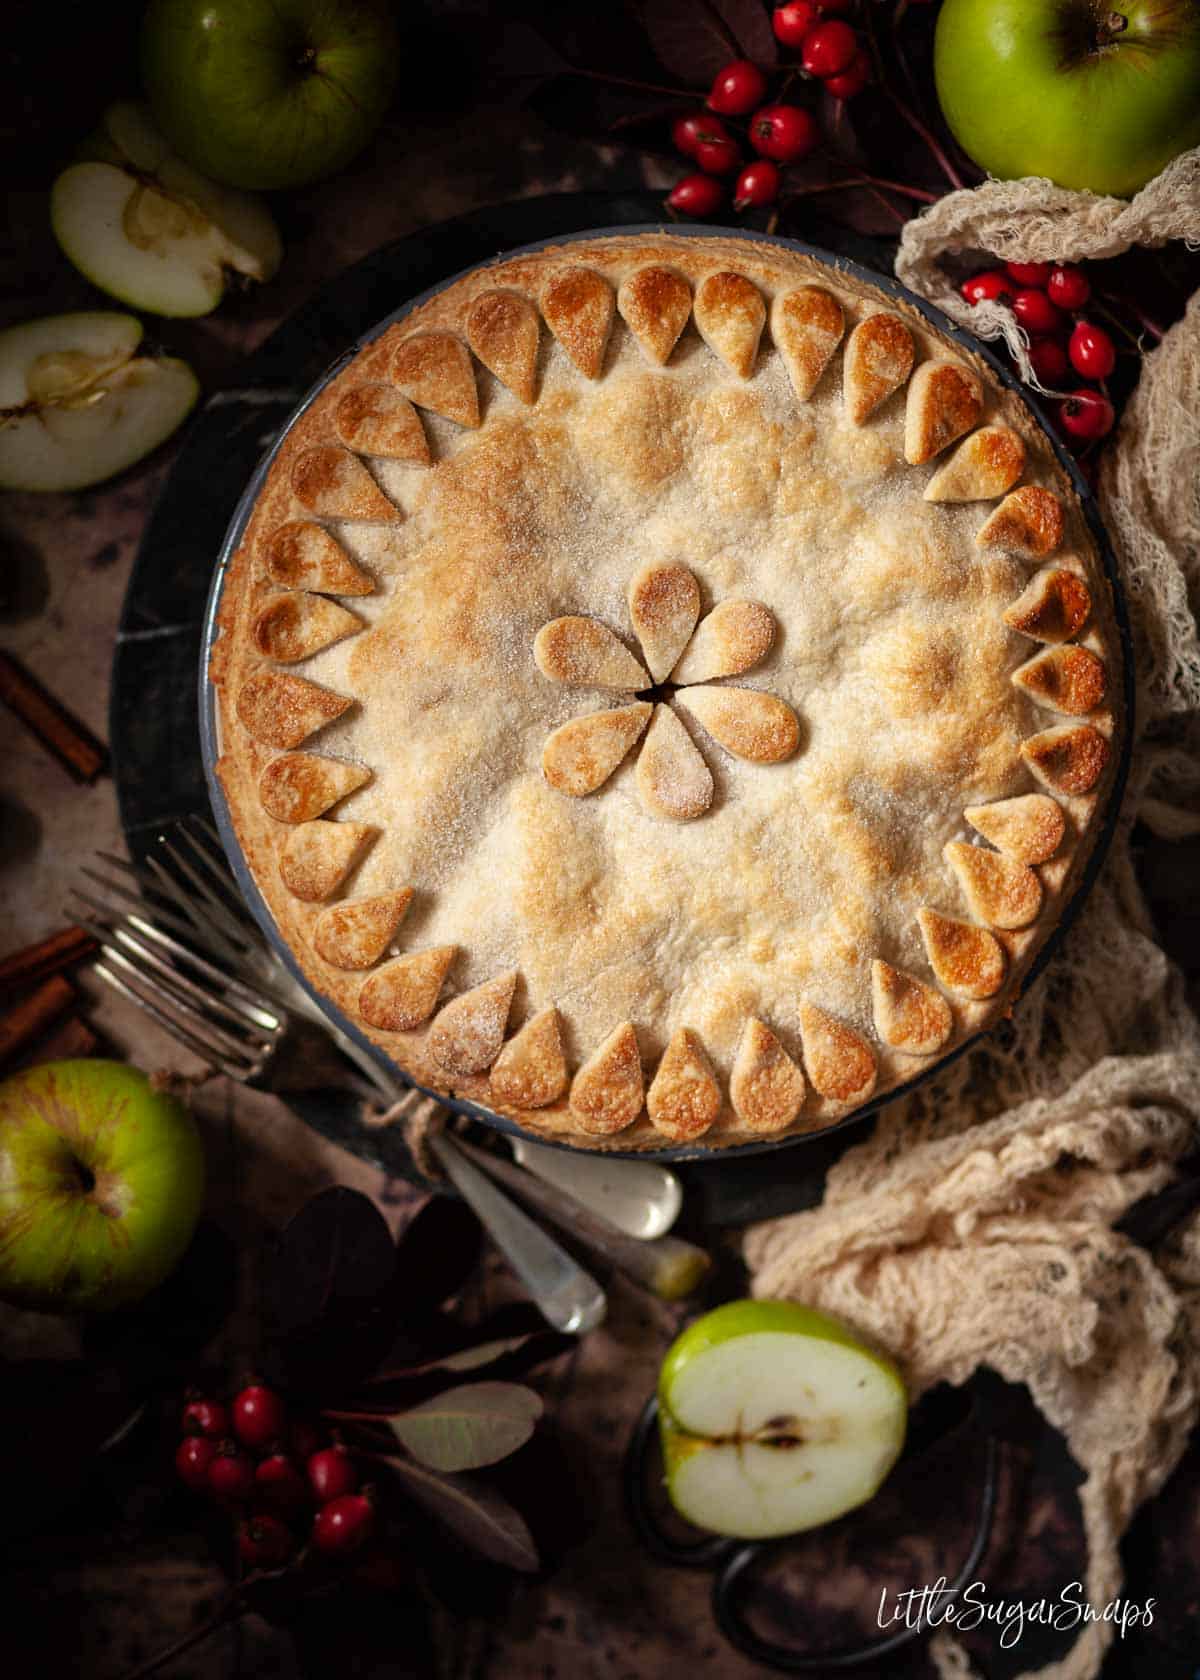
975, 1226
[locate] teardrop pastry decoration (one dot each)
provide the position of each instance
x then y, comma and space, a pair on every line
531, 1069
684, 1098
966, 959
984, 465
747, 722
1068, 758
664, 604
282, 710
1053, 607
504, 331
585, 652
356, 933
879, 358
840, 1063
467, 1034
734, 637
766, 1087
296, 787
379, 420
730, 314
334, 484
909, 1015
1064, 679
403, 993
1029, 828
999, 890
316, 857
580, 755
944, 401
672, 778
655, 304
608, 1091
301, 555
807, 326
579, 307
295, 626
434, 370
1028, 522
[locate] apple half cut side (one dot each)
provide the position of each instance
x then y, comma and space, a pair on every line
774, 1418
77, 402
145, 227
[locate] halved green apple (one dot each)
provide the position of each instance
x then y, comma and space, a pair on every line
77, 402
775, 1418
148, 228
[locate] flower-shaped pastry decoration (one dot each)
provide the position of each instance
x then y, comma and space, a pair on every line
683, 654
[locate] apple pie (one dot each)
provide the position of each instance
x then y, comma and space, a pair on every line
668, 691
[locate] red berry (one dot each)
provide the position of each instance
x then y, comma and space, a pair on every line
850, 82
688, 132
829, 49
264, 1542
1068, 286
718, 157
757, 184
1035, 312
1029, 274
192, 1459
993, 284
344, 1524
331, 1473
1048, 360
1087, 414
205, 1417
259, 1416
793, 21
784, 132
306, 1438
737, 89
1092, 351
696, 195
279, 1484
231, 1473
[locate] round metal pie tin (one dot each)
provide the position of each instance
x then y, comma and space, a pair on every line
209, 723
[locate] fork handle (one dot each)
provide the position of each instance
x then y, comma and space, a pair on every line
568, 1298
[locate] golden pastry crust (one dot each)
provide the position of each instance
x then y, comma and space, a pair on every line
684, 1098
855, 628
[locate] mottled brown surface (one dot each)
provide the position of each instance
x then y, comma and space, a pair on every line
91, 1600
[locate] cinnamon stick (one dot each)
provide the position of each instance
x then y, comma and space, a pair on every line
58, 951
71, 1040
34, 1015
71, 742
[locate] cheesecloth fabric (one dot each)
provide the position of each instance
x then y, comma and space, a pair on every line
975, 1227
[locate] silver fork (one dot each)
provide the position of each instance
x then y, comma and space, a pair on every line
176, 943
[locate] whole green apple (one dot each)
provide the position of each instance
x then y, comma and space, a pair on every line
1094, 99
101, 1184
269, 93
775, 1418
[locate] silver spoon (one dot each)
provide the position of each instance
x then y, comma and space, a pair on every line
639, 1198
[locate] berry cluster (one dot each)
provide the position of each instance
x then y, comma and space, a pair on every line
274, 1473
780, 133
1047, 299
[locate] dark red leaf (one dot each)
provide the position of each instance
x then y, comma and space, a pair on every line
439, 1249
693, 39
474, 1512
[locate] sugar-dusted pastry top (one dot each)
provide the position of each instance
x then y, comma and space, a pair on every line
667, 691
